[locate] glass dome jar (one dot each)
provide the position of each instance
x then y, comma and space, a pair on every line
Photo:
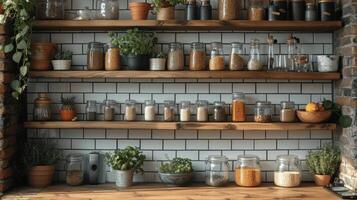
150, 110
217, 171
109, 110
130, 110
107, 9
50, 9
91, 111
42, 108
219, 112
175, 58
185, 111
236, 61
216, 61
202, 111
169, 111
197, 57
248, 172
238, 107
74, 170
255, 63
287, 112
263, 112
288, 171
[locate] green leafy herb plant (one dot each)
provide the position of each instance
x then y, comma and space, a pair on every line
325, 161
130, 158
157, 4
64, 55
40, 152
344, 121
177, 166
159, 54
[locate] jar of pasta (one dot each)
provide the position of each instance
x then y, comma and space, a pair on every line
248, 172
216, 62
197, 57
236, 61
263, 112
238, 107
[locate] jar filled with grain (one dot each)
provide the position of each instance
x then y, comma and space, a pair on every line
216, 61
263, 112
185, 111
95, 56
288, 171
112, 58
109, 110
238, 107
248, 172
256, 10
228, 9
197, 57
169, 111
202, 111
91, 110
150, 110
236, 62
175, 58
219, 112
130, 110
74, 170
255, 63
287, 112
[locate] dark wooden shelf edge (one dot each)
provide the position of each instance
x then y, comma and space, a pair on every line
178, 125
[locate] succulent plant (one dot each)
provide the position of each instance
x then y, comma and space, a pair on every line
67, 103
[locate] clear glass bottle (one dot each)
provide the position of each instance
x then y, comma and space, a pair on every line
217, 171
288, 171
287, 112
91, 111
216, 62
205, 10
112, 57
109, 110
197, 57
202, 111
271, 55
175, 58
74, 170
150, 110
256, 10
248, 172
238, 107
291, 42
185, 111
236, 61
263, 112
255, 63
95, 56
219, 112
130, 110
108, 9
50, 9
228, 9
169, 111
42, 108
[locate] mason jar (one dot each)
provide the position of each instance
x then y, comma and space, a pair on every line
169, 111
216, 61
91, 110
263, 112
175, 58
287, 112
197, 57
255, 63
217, 171
248, 172
256, 10
236, 61
42, 108
150, 110
238, 107
130, 110
219, 112
202, 111
74, 170
50, 9
109, 110
95, 56
287, 171
185, 111
108, 9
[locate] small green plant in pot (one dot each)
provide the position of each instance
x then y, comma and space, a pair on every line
177, 172
40, 158
62, 61
137, 46
165, 9
158, 62
324, 163
125, 162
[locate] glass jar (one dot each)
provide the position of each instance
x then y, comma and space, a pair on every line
169, 111
247, 172
175, 59
278, 10
50, 9
74, 170
202, 111
112, 58
217, 171
236, 61
95, 56
297, 9
205, 10
91, 111
228, 9
255, 63
263, 112
185, 111
288, 171
327, 10
271, 55
197, 57
310, 13
109, 110
108, 9
219, 112
130, 110
216, 62
287, 112
150, 110
256, 10
238, 107
42, 108
191, 10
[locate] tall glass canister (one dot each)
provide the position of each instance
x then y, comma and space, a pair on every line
255, 63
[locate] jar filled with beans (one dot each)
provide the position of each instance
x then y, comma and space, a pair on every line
263, 112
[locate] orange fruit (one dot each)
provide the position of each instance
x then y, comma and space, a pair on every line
312, 107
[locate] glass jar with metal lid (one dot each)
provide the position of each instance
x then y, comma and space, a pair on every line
217, 171
175, 58
219, 112
197, 57
91, 110
169, 111
287, 112
202, 111
130, 110
150, 110
238, 107
297, 9
278, 10
205, 12
112, 57
185, 111
228, 9
263, 112
256, 10
42, 108
327, 10
248, 172
255, 63
216, 61
108, 9
74, 170
109, 110
95, 56
288, 171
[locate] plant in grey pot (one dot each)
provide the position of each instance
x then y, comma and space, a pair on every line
158, 62
177, 172
62, 61
137, 46
125, 162
165, 9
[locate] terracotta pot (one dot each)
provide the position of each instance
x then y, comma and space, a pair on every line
41, 176
40, 65
139, 10
167, 13
43, 51
67, 115
322, 180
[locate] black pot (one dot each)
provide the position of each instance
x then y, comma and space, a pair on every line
137, 62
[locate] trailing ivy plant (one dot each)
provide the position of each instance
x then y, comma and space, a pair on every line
20, 14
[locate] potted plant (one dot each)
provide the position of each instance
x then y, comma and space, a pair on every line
62, 61
41, 55
158, 62
139, 10
67, 112
40, 158
125, 162
136, 46
324, 164
177, 172
165, 9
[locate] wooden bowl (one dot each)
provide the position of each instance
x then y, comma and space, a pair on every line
313, 117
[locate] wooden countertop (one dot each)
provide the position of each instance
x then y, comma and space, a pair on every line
160, 192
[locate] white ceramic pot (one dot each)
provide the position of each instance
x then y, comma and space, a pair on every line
157, 64
124, 178
61, 64
327, 63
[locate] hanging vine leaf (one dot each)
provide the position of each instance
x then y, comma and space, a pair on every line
21, 45
23, 70
17, 57
8, 48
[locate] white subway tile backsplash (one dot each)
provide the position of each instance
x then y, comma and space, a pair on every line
94, 133
219, 144
288, 144
267, 88
289, 88
309, 144
174, 144
151, 144
197, 88
140, 134
205, 134
104, 87
231, 134
163, 155
193, 155
242, 144
265, 144
59, 87
186, 134
82, 144
220, 88
163, 134
81, 87
122, 144
196, 144
174, 88
311, 88
105, 144
254, 134
128, 88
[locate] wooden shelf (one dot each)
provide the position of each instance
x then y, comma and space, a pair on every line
247, 25
188, 74
179, 125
